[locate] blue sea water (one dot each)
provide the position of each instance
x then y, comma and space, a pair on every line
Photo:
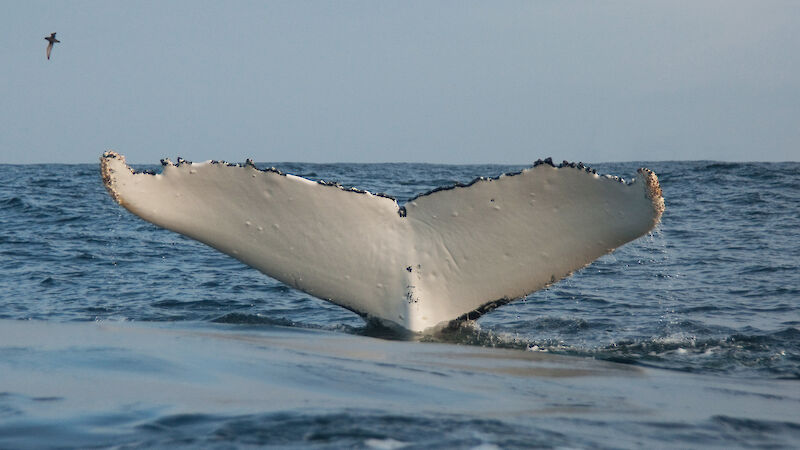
114, 332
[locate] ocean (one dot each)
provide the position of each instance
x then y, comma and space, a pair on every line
115, 333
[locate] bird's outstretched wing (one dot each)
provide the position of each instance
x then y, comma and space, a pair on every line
442, 256
49, 49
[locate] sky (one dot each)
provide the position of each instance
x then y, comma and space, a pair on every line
456, 82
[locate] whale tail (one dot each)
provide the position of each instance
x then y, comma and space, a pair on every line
449, 254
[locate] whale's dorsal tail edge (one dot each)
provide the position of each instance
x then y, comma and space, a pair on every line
445, 255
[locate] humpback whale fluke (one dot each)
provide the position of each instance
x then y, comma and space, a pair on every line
452, 253
50, 41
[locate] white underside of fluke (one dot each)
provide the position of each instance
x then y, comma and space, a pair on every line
449, 254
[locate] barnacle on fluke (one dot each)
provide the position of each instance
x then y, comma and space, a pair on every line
452, 253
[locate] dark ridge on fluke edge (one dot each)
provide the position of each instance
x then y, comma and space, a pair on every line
401, 208
539, 162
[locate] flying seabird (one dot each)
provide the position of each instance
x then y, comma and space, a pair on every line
52, 40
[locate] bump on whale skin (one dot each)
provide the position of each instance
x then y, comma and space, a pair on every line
449, 254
